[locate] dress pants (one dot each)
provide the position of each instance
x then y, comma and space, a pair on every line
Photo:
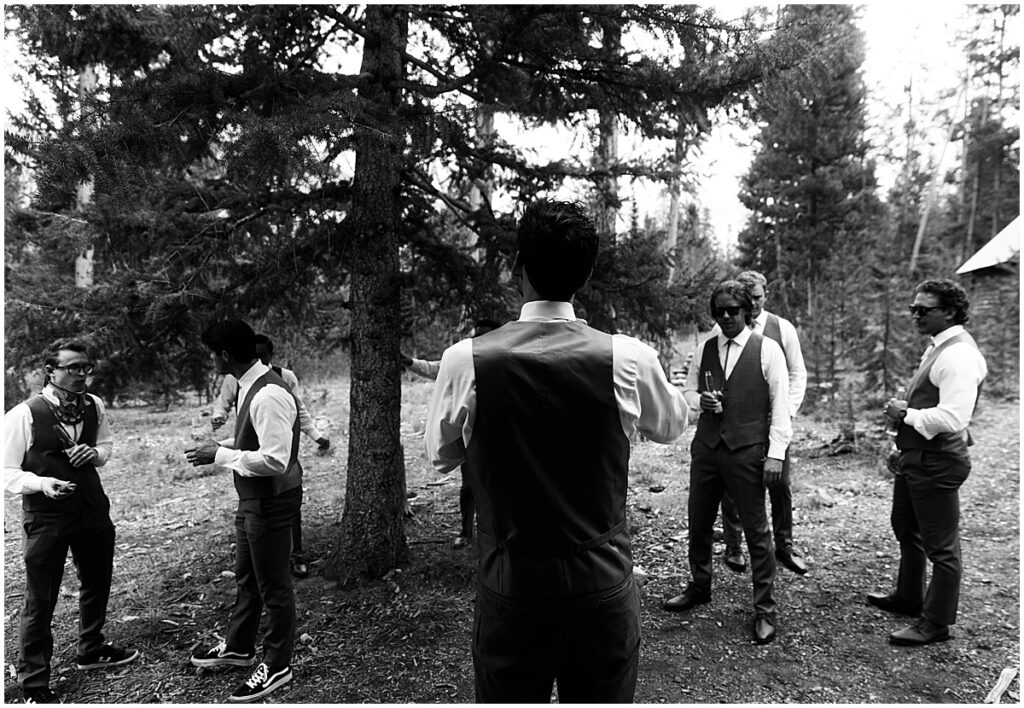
263, 538
926, 521
781, 496
590, 646
467, 506
48, 536
714, 471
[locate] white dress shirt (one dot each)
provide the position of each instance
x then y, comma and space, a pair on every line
424, 368
793, 353
225, 403
647, 402
273, 412
957, 372
773, 367
18, 439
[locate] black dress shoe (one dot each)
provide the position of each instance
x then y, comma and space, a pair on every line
687, 601
922, 632
792, 559
734, 559
895, 604
764, 629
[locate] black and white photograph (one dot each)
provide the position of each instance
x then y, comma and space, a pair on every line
512, 353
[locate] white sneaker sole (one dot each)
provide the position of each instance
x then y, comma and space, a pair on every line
265, 692
224, 661
109, 664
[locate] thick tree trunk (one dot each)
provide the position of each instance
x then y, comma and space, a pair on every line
372, 537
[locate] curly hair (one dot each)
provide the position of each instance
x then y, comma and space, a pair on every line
950, 294
739, 291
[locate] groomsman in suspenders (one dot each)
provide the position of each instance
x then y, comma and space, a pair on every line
781, 495
931, 462
740, 444
53, 445
543, 409
263, 458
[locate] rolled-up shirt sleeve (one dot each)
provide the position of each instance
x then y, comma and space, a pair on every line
957, 373
647, 401
273, 412
450, 415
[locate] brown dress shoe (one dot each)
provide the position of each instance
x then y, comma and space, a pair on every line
791, 558
689, 599
895, 604
764, 629
734, 559
922, 632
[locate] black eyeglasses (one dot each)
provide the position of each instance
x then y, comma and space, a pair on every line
731, 310
922, 310
77, 369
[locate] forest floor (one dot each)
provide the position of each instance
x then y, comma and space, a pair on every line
405, 637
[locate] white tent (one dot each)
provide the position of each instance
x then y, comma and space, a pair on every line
1003, 246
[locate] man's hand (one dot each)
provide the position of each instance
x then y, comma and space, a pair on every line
322, 445
204, 454
893, 407
772, 472
709, 402
56, 488
218, 420
892, 461
81, 454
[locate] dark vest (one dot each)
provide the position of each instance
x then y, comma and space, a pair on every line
922, 393
548, 462
246, 439
773, 330
45, 457
746, 402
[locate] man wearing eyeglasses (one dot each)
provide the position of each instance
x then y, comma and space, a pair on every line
54, 443
931, 462
739, 446
781, 495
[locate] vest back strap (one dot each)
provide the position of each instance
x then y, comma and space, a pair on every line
568, 549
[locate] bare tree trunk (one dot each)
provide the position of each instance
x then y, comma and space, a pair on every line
608, 147
372, 537
84, 264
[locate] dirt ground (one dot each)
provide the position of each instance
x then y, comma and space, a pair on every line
405, 638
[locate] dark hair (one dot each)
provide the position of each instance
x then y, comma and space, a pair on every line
739, 291
557, 246
951, 295
71, 345
485, 322
232, 336
265, 341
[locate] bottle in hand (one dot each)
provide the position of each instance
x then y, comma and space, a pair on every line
892, 426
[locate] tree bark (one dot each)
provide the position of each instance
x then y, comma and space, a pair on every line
372, 537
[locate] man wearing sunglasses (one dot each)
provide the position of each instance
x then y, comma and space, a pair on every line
781, 495
739, 446
543, 409
54, 443
931, 462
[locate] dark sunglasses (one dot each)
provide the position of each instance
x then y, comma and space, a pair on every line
922, 310
731, 310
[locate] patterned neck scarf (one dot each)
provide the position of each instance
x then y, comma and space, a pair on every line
70, 404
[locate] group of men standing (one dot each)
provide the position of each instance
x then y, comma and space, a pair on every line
540, 412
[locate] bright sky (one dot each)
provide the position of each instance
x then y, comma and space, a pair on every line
903, 40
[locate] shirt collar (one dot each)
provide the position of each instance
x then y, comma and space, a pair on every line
946, 334
546, 310
255, 371
740, 339
761, 320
